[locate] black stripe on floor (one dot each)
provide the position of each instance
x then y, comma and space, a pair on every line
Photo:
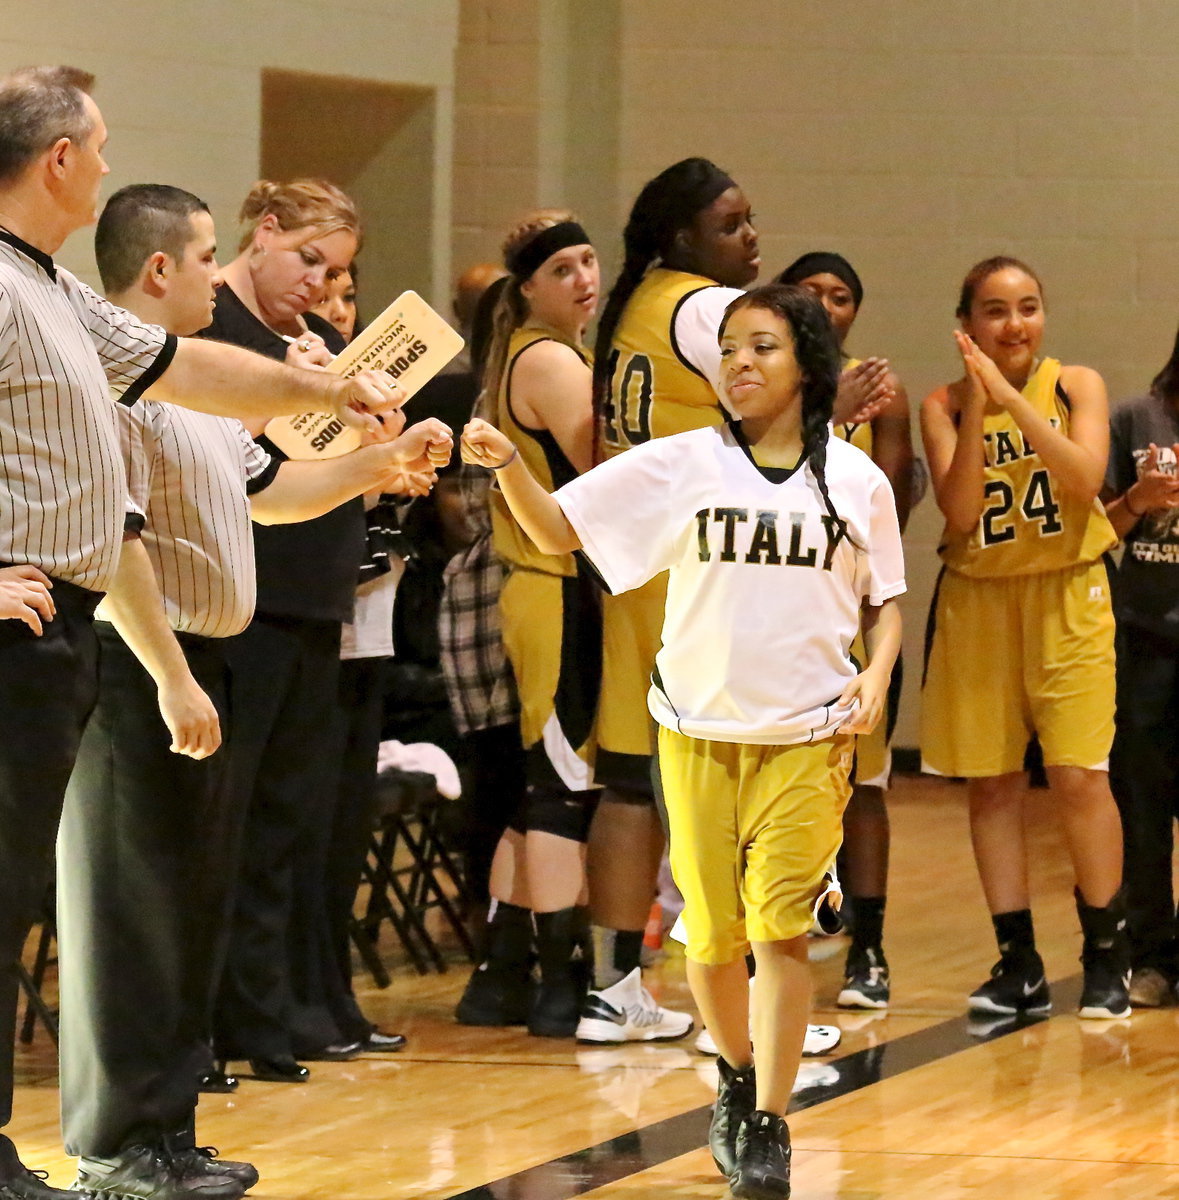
594, 1167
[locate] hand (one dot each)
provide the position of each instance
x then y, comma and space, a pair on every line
308, 351
982, 372
483, 445
361, 398
410, 483
1154, 489
190, 717
864, 390
424, 447
25, 596
390, 425
869, 693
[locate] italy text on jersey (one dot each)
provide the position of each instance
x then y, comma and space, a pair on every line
719, 540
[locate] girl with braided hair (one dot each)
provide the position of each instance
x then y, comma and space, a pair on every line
781, 542
689, 246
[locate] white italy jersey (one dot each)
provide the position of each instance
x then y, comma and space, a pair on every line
763, 599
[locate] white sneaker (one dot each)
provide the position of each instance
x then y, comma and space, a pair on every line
820, 1039
626, 1012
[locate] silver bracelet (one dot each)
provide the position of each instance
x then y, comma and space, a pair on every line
507, 462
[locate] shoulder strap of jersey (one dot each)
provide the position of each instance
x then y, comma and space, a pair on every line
675, 312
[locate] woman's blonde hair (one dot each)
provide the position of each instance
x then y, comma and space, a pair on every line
511, 310
312, 204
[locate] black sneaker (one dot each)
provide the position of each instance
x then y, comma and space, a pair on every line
202, 1161
865, 979
1105, 958
31, 1185
494, 996
1105, 994
149, 1173
763, 1159
736, 1098
1015, 985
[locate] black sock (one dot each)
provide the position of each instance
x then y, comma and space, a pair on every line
868, 931
1013, 932
508, 934
616, 954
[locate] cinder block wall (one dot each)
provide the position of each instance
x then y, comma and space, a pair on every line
180, 86
914, 136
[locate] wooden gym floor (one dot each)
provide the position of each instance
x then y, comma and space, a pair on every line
917, 1103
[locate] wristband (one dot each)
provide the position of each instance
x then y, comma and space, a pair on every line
507, 462
1125, 498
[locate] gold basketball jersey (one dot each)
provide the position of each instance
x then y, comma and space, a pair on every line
1029, 523
541, 455
859, 433
654, 390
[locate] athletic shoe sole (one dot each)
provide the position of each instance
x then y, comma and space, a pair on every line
985, 1004
819, 1040
854, 998
1094, 1013
591, 1032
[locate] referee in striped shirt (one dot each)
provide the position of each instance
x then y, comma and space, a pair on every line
136, 1008
63, 493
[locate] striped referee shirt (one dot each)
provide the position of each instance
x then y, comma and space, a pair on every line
63, 349
191, 475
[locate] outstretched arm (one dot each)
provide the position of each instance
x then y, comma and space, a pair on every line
228, 381
539, 514
302, 490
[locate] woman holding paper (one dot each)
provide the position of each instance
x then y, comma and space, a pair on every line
285, 666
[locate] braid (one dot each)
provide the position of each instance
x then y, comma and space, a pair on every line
667, 204
817, 354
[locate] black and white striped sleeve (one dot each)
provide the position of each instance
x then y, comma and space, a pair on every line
261, 467
133, 354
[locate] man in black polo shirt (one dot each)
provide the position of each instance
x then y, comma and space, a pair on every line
62, 485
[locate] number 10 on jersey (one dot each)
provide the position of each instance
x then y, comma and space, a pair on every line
627, 415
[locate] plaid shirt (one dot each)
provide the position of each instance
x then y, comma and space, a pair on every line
479, 680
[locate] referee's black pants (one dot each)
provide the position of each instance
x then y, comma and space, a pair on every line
283, 767
141, 872
47, 687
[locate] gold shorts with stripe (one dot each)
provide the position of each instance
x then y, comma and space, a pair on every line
552, 636
1014, 656
632, 629
753, 829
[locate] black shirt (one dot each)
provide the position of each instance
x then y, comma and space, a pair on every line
308, 569
450, 398
1146, 587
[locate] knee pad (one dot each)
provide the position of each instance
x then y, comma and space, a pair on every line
563, 814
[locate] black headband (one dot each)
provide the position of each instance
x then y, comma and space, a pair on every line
527, 258
824, 262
